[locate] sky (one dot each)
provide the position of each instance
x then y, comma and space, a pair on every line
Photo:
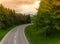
22, 6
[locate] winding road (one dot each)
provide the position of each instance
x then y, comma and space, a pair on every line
16, 36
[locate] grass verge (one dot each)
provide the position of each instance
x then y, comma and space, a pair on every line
3, 32
35, 38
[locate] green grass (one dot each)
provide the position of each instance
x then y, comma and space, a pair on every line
3, 32
34, 37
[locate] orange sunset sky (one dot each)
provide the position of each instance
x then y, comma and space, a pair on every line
22, 6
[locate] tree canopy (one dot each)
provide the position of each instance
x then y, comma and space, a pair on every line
9, 17
48, 16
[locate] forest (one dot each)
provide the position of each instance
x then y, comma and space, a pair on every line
48, 16
46, 24
9, 17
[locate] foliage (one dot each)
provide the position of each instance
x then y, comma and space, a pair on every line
35, 37
48, 16
8, 17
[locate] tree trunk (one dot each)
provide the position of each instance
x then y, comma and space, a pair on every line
46, 33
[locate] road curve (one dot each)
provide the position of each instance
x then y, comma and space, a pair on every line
16, 36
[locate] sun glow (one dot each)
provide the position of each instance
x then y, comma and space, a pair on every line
22, 6
29, 8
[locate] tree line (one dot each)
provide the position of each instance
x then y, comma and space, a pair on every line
9, 17
48, 16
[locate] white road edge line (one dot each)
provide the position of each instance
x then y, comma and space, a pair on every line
14, 36
7, 35
25, 35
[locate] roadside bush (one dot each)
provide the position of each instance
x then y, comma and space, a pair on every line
2, 25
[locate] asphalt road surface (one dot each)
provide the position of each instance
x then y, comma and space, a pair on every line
16, 36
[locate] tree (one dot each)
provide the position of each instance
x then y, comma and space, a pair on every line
48, 16
28, 19
9, 17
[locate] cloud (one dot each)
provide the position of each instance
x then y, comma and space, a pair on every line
28, 9
15, 3
21, 6
25, 1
